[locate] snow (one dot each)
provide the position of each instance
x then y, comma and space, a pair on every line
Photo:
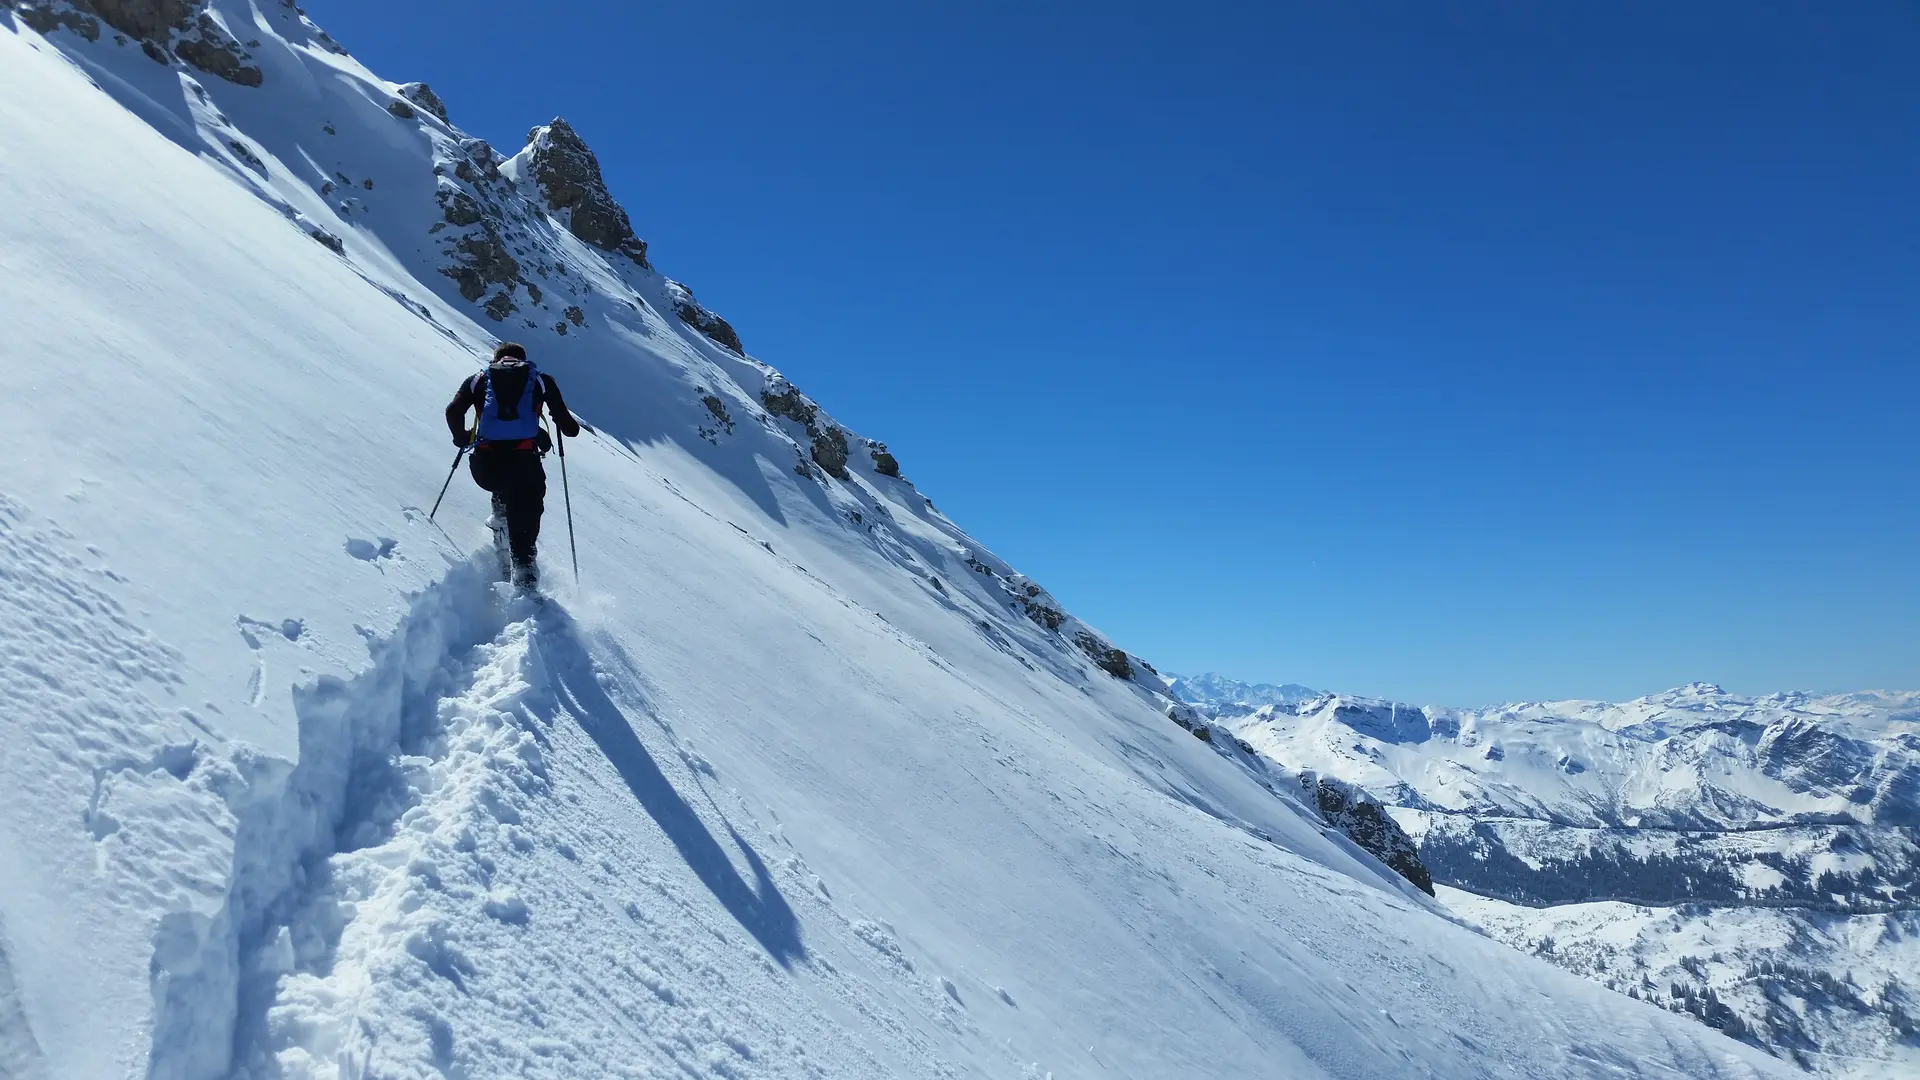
1831, 990
1690, 758
1784, 819
291, 789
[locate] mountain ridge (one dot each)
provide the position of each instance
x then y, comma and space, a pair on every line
1589, 832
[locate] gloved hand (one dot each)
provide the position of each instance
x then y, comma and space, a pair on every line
465, 438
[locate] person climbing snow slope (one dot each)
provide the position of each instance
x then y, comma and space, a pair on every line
508, 443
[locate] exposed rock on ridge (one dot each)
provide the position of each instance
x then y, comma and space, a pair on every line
884, 462
143, 20
208, 48
829, 442
45, 18
568, 175
164, 28
422, 95
698, 317
1361, 817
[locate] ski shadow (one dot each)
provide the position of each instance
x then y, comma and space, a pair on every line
758, 907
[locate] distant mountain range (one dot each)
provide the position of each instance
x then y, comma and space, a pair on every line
1216, 689
1754, 861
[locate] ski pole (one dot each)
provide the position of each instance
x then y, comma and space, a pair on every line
457, 455
560, 440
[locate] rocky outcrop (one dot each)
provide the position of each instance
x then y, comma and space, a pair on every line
828, 442
326, 41
45, 17
568, 176
144, 20
477, 199
422, 95
884, 463
1037, 604
782, 398
478, 164
1104, 655
718, 410
327, 239
1366, 823
691, 313
164, 28
829, 451
457, 207
481, 260
247, 157
208, 48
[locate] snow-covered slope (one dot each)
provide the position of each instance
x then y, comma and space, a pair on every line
801, 782
1756, 855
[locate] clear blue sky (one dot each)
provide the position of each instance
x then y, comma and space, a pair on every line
1456, 353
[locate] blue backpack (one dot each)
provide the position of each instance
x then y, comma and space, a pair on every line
508, 412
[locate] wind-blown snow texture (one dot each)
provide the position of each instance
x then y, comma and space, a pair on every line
804, 783
1754, 862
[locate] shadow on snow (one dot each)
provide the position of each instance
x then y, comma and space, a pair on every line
758, 906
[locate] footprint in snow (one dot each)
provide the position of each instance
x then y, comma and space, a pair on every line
256, 633
371, 550
252, 630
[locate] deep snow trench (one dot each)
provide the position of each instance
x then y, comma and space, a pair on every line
373, 880
317, 841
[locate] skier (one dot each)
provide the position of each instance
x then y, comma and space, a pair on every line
507, 446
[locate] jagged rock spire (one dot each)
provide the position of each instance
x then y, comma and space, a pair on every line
422, 95
569, 177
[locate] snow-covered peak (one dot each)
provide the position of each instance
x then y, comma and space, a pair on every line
1696, 755
1214, 688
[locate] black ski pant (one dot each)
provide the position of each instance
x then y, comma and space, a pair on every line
519, 487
